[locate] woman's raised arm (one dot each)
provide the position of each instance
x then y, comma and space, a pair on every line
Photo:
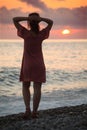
16, 21
48, 21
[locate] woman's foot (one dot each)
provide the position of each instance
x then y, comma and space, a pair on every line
27, 114
35, 115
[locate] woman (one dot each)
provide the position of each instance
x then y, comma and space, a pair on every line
33, 67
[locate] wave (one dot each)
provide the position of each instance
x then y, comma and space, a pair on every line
10, 76
54, 94
66, 76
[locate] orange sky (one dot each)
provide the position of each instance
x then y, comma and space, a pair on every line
49, 3
9, 31
65, 3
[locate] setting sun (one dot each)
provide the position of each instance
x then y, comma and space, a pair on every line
66, 31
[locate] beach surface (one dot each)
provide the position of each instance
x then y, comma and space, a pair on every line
62, 118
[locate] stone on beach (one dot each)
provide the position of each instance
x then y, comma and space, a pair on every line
63, 118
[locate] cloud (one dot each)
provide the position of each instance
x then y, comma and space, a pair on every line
76, 17
7, 15
36, 3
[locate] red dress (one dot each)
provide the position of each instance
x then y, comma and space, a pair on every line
33, 67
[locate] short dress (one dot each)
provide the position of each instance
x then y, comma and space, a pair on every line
33, 67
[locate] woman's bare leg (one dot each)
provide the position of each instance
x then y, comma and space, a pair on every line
36, 96
26, 95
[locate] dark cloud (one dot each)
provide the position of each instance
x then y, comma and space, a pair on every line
76, 17
7, 15
36, 3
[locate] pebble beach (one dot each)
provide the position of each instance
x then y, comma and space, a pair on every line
62, 118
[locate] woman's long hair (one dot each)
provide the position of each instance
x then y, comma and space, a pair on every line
34, 24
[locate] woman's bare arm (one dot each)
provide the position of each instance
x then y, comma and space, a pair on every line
16, 21
48, 21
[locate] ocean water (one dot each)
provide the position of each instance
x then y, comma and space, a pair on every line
66, 65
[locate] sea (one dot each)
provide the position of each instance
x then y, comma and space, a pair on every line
66, 74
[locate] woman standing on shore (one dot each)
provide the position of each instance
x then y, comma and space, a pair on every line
33, 67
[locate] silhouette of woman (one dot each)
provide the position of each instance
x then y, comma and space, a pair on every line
33, 67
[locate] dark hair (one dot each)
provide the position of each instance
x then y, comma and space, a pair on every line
33, 14
34, 24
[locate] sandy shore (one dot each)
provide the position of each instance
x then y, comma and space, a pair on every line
63, 118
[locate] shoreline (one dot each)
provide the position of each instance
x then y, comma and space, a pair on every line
61, 118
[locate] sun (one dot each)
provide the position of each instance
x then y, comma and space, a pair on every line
66, 31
